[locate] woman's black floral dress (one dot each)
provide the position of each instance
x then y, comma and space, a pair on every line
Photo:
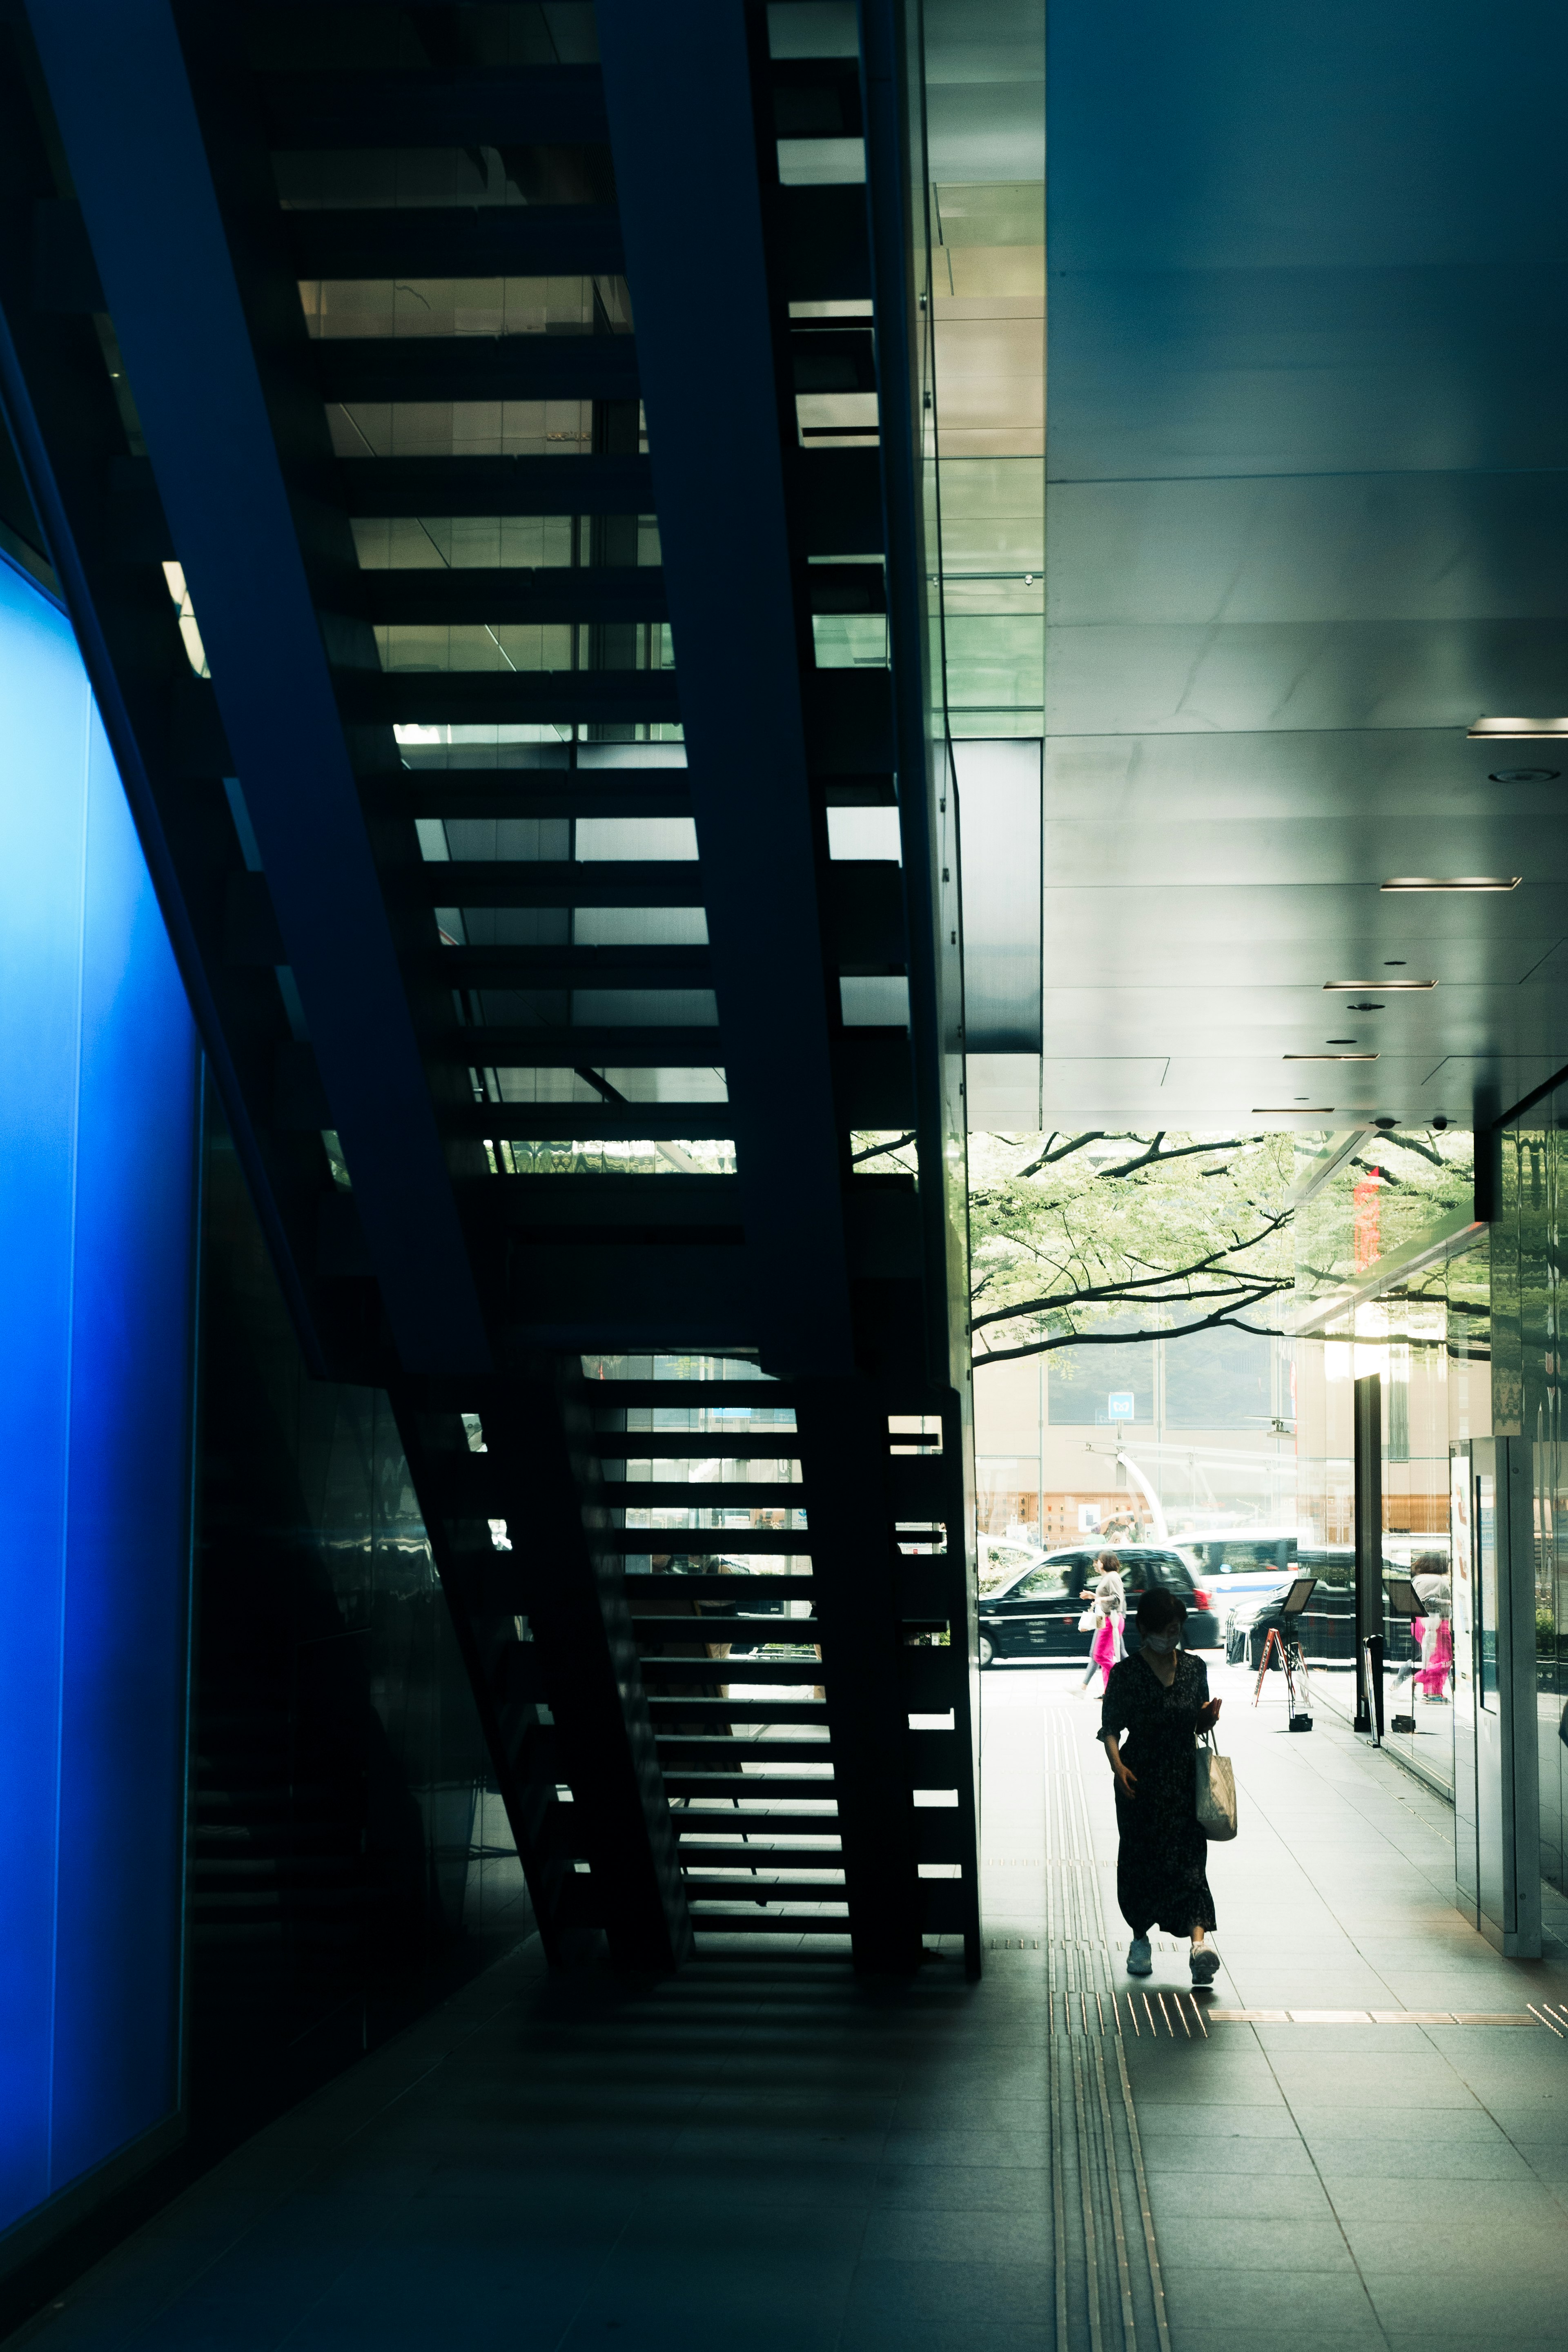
1162, 1877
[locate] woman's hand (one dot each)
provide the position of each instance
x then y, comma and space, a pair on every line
1208, 1715
1126, 1782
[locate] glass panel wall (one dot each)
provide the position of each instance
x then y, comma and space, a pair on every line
1428, 1342
1528, 1305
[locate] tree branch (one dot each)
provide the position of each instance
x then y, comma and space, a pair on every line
1125, 1339
1098, 1293
1252, 1289
1155, 1158
878, 1150
1049, 1157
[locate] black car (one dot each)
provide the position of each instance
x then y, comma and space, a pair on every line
1036, 1616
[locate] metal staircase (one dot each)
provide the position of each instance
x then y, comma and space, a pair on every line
462, 378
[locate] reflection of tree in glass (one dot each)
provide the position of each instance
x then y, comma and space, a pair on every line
1104, 1238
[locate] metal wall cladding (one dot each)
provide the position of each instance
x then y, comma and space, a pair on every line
350, 1857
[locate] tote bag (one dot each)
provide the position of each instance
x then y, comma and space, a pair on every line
1215, 1792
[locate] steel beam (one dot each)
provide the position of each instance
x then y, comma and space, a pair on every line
458, 241
567, 968
493, 106
456, 697
568, 484
476, 367
492, 599
660, 1122
60, 406
540, 882
542, 1048
891, 110
529, 793
678, 92
123, 100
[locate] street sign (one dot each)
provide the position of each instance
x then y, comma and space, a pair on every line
1120, 1404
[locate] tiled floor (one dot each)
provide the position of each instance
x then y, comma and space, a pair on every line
765, 2157
1344, 2185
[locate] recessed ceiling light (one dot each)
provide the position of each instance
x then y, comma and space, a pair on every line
1342, 1041
1394, 963
1517, 729
1453, 882
1292, 1110
1359, 987
1524, 775
1329, 1057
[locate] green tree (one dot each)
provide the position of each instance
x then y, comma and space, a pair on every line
1116, 1236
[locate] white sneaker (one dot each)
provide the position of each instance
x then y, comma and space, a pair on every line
1204, 1964
1140, 1960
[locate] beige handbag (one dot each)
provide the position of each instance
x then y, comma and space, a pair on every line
1216, 1791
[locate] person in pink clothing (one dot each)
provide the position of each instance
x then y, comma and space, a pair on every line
1430, 1575
1109, 1598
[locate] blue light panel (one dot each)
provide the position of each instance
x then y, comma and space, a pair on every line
97, 1165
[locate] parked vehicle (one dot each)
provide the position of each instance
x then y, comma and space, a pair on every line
1328, 1623
1036, 1615
1237, 1563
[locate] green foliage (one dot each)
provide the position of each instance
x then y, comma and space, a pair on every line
1078, 1238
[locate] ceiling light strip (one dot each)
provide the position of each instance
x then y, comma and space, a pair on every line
1519, 730
1384, 987
1328, 1057
1453, 882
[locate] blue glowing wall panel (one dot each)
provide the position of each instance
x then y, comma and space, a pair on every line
98, 1122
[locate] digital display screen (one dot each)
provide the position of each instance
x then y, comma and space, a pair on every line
99, 1094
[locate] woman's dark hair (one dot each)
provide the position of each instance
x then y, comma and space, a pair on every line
1158, 1610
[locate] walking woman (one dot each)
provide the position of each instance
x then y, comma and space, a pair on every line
1158, 1700
1108, 1602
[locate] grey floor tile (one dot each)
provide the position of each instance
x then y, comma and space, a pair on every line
983, 2147
963, 2187
933, 2234
1177, 2198
1224, 2159
1216, 2119
1288, 2331
1391, 2126
1518, 2309
1466, 2246
1345, 2155
904, 2307
1388, 2198
1261, 2299
1224, 2241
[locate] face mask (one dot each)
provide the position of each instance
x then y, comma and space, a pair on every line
1160, 1644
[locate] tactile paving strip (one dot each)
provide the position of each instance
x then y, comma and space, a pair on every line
1109, 2289
1389, 2017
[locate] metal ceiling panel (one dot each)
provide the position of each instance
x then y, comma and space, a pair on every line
999, 818
1305, 524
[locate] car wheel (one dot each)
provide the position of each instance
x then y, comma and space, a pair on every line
986, 1653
